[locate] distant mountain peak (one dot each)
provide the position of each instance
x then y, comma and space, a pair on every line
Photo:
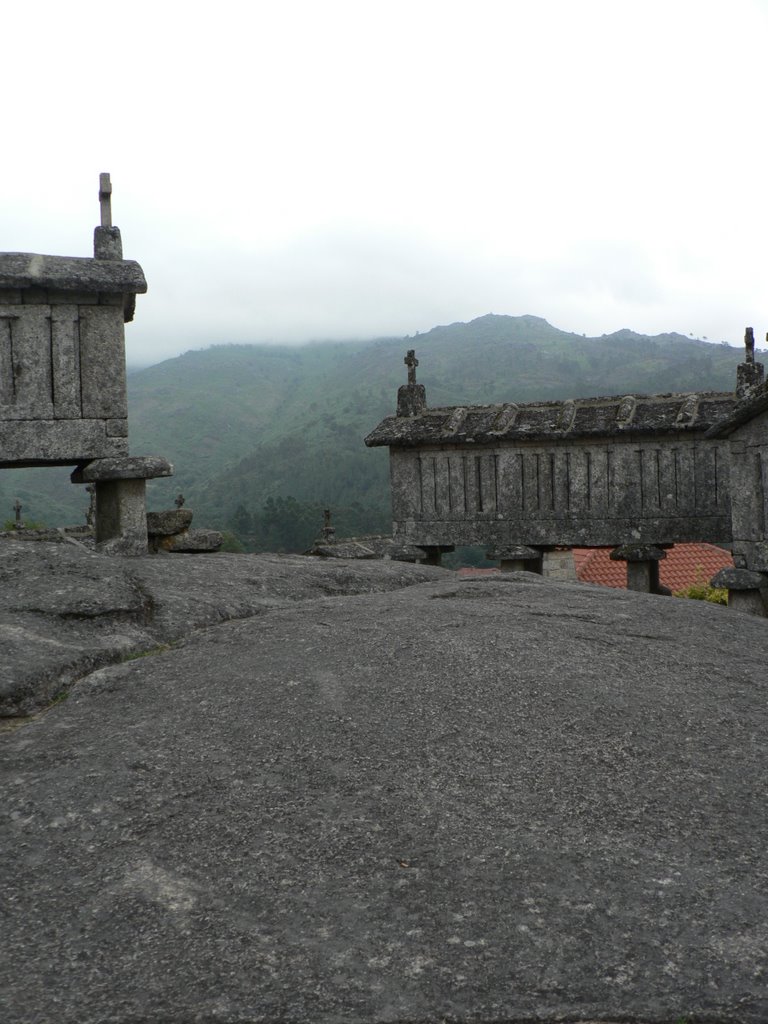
625, 334
526, 318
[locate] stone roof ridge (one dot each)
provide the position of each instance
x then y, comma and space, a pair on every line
594, 416
557, 403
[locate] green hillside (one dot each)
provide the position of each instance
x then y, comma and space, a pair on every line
247, 423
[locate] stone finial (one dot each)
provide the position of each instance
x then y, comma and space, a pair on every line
17, 507
626, 411
567, 415
504, 418
411, 397
411, 362
107, 244
749, 374
179, 501
749, 345
105, 200
688, 412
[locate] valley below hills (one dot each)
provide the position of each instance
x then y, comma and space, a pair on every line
263, 437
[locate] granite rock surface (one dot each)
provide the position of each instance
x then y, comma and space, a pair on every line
496, 799
65, 610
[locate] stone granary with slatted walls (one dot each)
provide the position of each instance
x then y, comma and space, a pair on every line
62, 376
636, 473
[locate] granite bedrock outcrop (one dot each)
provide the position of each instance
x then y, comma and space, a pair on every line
380, 793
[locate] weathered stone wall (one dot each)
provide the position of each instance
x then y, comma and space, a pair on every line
62, 378
749, 484
62, 357
656, 490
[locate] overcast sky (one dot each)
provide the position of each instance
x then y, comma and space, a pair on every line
297, 169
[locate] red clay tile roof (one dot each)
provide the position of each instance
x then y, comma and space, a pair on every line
684, 565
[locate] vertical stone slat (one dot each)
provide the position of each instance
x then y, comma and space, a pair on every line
560, 495
404, 476
509, 497
427, 464
456, 479
546, 483
686, 479
7, 385
474, 498
65, 362
598, 482
31, 364
667, 477
761, 472
530, 468
746, 476
625, 482
650, 469
487, 479
442, 486
578, 478
706, 479
102, 362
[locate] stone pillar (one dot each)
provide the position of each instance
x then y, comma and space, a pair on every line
558, 564
411, 400
121, 517
433, 553
747, 591
749, 374
121, 513
642, 566
517, 558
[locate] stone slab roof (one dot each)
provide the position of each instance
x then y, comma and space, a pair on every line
542, 421
70, 273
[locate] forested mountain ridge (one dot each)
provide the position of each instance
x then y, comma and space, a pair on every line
247, 423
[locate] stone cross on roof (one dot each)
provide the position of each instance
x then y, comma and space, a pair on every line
411, 362
749, 344
105, 200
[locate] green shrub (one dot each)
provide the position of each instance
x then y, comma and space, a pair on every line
231, 543
703, 591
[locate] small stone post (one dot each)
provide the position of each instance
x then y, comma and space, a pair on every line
642, 566
329, 532
433, 553
747, 591
517, 558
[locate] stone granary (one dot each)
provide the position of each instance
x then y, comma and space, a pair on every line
62, 376
639, 473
